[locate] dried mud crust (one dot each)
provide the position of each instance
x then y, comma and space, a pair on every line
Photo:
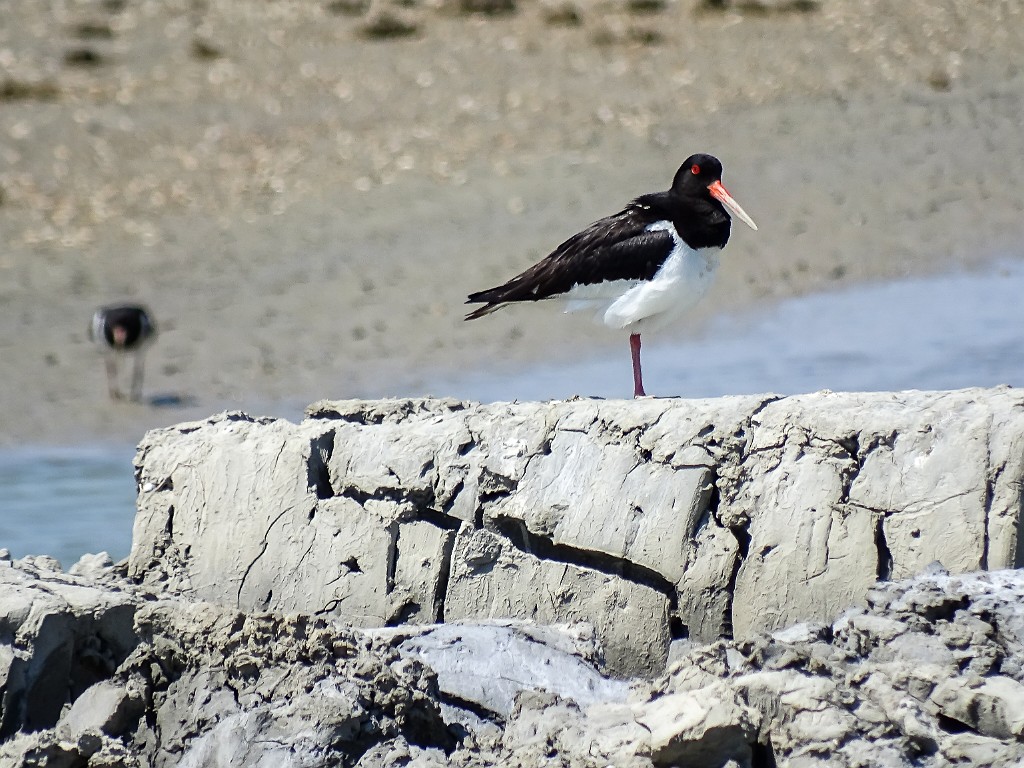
928, 674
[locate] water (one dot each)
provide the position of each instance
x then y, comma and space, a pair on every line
65, 502
945, 332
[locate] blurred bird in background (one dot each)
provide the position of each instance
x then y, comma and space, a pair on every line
119, 330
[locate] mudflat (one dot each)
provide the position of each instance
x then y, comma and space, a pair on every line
304, 192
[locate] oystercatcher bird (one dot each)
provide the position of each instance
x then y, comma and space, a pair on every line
640, 268
121, 329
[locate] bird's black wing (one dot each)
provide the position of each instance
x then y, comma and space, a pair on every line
618, 247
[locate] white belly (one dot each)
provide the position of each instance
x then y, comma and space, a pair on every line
637, 306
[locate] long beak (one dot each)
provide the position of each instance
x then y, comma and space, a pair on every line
721, 195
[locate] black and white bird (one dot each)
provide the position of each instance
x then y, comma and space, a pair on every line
640, 268
121, 329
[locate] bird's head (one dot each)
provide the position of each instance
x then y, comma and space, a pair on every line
700, 176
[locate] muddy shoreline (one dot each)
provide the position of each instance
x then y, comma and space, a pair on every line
305, 207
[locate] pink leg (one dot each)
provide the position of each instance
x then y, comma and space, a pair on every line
638, 379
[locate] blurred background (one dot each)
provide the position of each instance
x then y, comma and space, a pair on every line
303, 193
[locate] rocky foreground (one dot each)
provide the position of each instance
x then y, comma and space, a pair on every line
96, 672
585, 583
654, 521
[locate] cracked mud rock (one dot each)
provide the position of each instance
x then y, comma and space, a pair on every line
930, 673
655, 521
54, 644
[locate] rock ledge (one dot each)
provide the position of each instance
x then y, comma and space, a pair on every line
654, 520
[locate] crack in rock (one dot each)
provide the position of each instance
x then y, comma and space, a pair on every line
264, 544
515, 531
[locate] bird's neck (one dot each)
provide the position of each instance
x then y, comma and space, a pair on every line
700, 223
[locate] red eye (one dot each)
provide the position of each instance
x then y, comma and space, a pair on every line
695, 169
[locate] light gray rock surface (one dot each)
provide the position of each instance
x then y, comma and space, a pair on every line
489, 664
281, 601
59, 634
930, 673
652, 520
105, 707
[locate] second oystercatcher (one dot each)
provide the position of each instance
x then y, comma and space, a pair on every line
640, 268
121, 329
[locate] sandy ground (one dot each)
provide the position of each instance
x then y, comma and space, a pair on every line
304, 203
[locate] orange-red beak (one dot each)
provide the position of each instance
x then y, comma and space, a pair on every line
722, 195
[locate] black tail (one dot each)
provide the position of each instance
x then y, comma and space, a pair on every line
484, 310
493, 299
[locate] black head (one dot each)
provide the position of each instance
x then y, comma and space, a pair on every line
699, 183
696, 174
122, 326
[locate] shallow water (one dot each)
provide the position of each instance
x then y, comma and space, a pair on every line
945, 332
65, 502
